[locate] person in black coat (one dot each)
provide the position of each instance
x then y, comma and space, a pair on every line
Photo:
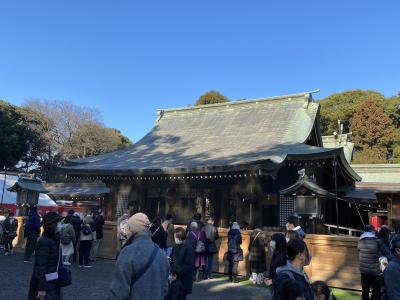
235, 252
278, 248
32, 232
158, 233
182, 261
175, 291
369, 253
77, 224
44, 283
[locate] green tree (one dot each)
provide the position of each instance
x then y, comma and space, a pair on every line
93, 139
373, 133
342, 106
19, 144
211, 97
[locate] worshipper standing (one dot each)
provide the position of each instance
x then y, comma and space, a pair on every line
196, 218
168, 226
98, 227
122, 225
384, 241
211, 234
182, 261
141, 270
277, 246
32, 232
392, 271
10, 232
257, 256
235, 252
298, 258
158, 234
371, 274
44, 281
197, 239
292, 223
86, 240
67, 240
291, 235
76, 222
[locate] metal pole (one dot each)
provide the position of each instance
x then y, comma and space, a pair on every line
336, 195
4, 186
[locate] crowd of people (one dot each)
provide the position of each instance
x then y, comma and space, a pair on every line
77, 234
173, 271
158, 261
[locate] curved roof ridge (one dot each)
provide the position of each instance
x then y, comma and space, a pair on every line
239, 102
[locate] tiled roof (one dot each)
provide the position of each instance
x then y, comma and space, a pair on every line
218, 136
27, 184
309, 184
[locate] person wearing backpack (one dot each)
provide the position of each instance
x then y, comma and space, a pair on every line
67, 240
86, 241
298, 258
141, 270
197, 239
235, 253
158, 234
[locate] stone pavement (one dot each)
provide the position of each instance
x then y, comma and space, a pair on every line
92, 284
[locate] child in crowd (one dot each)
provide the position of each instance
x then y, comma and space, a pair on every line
322, 291
175, 291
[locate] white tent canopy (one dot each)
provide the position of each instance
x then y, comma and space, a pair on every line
11, 197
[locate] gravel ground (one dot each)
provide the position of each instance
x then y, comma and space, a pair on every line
92, 284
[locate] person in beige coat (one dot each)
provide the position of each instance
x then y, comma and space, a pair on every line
87, 236
67, 240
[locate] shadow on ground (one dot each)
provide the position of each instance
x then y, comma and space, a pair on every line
93, 284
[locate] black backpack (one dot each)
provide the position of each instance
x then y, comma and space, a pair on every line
232, 245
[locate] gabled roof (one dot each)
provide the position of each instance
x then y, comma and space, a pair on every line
11, 198
308, 184
77, 189
218, 137
27, 184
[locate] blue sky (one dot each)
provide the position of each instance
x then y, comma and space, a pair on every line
129, 58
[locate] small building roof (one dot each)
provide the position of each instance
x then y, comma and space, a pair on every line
221, 137
11, 198
370, 190
307, 183
27, 184
77, 189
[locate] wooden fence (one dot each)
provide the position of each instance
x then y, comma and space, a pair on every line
334, 258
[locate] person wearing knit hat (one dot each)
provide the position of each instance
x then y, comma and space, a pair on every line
141, 270
44, 280
138, 222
